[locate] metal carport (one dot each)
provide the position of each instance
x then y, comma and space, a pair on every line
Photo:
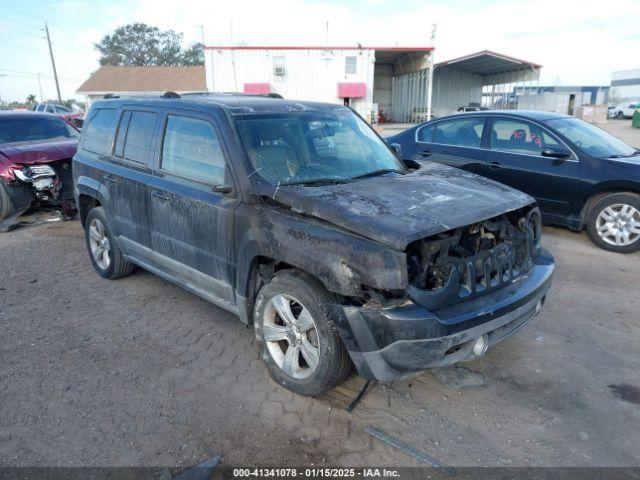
484, 78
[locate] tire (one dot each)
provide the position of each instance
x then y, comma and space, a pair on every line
620, 115
116, 266
302, 293
623, 210
6, 206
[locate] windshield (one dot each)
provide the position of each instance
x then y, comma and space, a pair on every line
591, 139
31, 128
313, 147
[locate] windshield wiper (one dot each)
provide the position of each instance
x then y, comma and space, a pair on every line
316, 182
375, 173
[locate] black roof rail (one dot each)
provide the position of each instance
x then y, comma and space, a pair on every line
170, 95
111, 95
274, 95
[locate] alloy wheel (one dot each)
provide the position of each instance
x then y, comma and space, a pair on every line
291, 336
619, 225
99, 244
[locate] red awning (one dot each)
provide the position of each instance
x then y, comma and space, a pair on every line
352, 90
257, 88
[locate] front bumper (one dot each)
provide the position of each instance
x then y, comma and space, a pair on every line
401, 341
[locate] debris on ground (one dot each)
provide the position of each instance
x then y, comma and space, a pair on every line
458, 377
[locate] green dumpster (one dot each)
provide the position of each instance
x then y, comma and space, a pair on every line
635, 122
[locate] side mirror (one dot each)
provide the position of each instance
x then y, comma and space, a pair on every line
397, 149
555, 153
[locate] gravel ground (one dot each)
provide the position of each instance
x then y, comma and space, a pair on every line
139, 372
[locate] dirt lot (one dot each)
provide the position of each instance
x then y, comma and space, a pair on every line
140, 372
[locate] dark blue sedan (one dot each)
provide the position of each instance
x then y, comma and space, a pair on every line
581, 176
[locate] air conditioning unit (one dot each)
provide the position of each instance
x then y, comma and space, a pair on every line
278, 71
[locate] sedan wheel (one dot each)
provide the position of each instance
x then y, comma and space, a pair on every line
619, 225
291, 336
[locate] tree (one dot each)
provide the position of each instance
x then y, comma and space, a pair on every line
138, 44
31, 99
193, 55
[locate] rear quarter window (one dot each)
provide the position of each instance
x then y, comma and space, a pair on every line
97, 132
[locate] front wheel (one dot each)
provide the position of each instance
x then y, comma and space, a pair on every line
300, 342
620, 115
6, 207
613, 222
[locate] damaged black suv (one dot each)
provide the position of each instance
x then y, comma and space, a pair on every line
297, 217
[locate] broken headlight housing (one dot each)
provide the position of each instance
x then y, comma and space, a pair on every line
43, 178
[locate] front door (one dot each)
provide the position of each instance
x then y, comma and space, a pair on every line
514, 158
192, 224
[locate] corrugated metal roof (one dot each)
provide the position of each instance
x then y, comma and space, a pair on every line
487, 62
110, 78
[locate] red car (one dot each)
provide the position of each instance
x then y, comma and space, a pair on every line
35, 163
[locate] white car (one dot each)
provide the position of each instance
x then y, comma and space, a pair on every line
624, 110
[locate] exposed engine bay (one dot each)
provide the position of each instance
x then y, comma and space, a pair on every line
475, 259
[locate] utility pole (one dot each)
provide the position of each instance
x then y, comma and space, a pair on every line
53, 63
430, 87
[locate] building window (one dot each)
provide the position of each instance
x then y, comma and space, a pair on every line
351, 65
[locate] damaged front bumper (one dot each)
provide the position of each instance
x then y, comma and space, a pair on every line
390, 343
39, 184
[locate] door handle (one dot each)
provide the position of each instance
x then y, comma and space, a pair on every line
424, 153
160, 195
111, 179
495, 165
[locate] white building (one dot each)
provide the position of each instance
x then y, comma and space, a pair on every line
359, 76
626, 85
389, 82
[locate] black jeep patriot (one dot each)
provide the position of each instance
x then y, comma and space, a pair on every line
297, 217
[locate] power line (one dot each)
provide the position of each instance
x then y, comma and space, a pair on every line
35, 74
72, 34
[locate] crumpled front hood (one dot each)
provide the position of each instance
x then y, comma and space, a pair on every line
397, 210
39, 152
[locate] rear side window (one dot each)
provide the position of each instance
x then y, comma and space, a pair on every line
135, 135
464, 132
425, 134
191, 148
98, 131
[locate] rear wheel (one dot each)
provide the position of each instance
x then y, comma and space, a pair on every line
613, 222
300, 342
104, 252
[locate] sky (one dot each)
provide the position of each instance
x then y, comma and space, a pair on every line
577, 42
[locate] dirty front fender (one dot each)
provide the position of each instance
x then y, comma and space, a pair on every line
341, 261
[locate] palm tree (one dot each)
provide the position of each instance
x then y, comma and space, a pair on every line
31, 99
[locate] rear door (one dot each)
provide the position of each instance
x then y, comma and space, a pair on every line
191, 224
456, 142
514, 158
128, 180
